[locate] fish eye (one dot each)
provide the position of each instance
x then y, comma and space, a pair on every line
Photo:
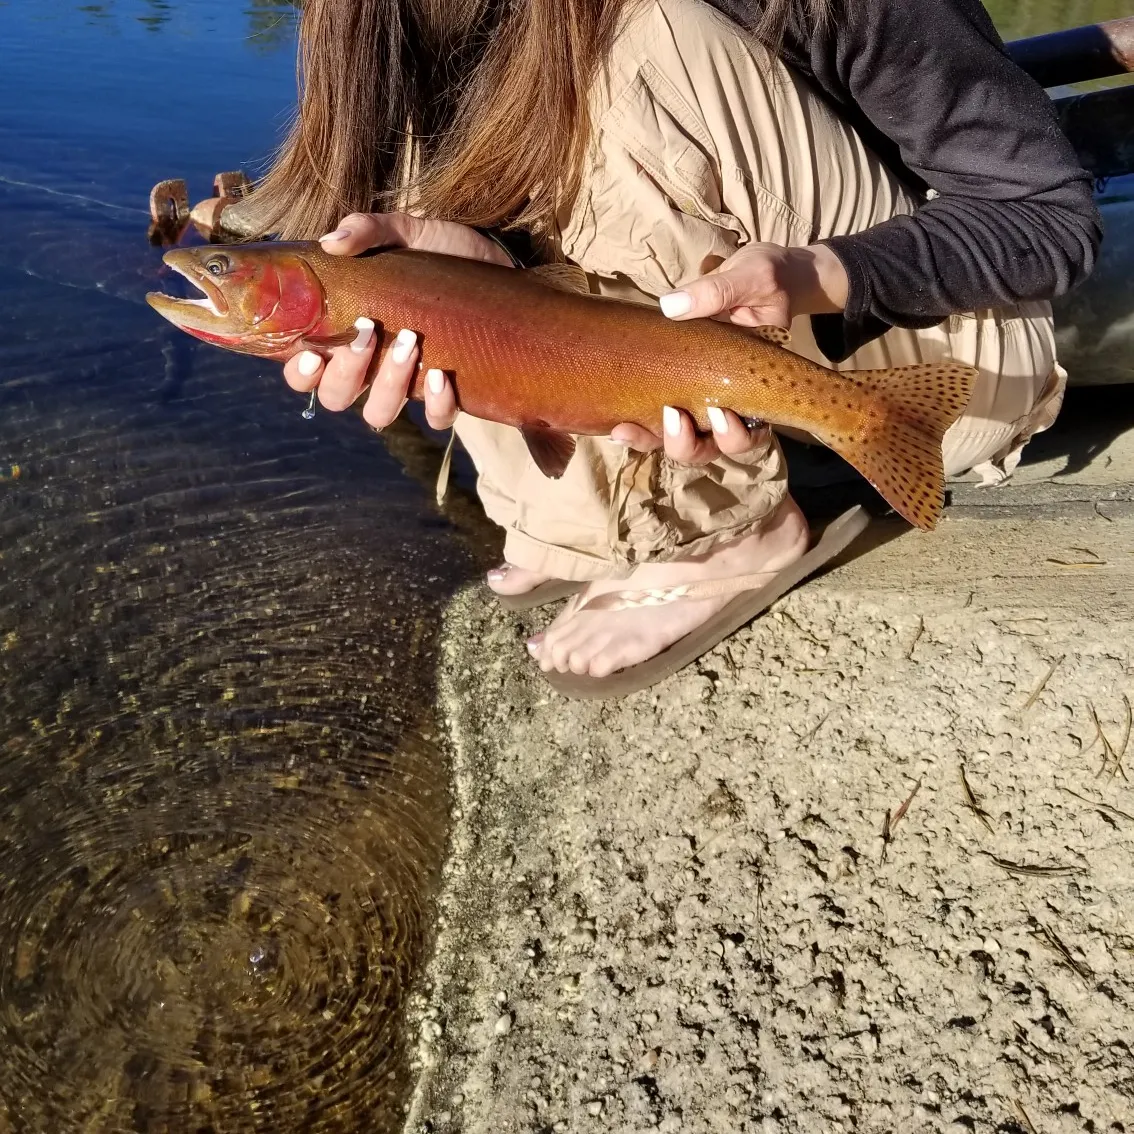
217, 265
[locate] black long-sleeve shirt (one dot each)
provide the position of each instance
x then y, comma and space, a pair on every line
930, 88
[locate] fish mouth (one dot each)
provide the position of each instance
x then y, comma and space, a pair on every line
210, 302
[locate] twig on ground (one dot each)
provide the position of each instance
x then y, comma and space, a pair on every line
811, 733
1042, 685
1112, 757
916, 637
1121, 753
1022, 1115
1034, 870
1099, 805
891, 821
971, 801
1051, 938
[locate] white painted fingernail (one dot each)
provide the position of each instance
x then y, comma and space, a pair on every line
338, 234
403, 346
436, 381
309, 363
676, 303
365, 328
671, 420
619, 441
717, 419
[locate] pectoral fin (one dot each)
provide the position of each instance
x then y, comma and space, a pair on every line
325, 342
550, 449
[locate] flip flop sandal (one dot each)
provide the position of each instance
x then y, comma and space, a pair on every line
754, 594
543, 595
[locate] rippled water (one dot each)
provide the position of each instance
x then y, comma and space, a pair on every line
222, 803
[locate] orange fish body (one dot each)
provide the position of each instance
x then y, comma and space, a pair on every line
526, 348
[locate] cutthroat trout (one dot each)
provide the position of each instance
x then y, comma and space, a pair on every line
534, 349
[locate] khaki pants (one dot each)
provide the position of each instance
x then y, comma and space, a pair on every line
703, 143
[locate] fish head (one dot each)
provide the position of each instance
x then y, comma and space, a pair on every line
258, 299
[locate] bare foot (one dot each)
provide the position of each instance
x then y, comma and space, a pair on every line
599, 642
508, 579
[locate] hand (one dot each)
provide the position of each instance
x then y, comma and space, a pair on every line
764, 285
341, 379
760, 285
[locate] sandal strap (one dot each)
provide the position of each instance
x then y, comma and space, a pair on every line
660, 596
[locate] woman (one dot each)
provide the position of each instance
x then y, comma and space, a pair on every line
878, 177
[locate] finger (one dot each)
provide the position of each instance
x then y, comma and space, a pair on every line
681, 441
440, 400
774, 313
360, 231
303, 371
391, 384
635, 437
730, 433
344, 376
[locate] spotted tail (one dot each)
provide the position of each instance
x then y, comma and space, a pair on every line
898, 448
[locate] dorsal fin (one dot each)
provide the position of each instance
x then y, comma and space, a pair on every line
563, 277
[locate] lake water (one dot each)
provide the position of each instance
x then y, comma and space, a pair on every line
222, 802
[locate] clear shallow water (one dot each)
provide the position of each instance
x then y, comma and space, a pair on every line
221, 803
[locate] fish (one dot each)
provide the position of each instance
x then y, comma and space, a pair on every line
535, 349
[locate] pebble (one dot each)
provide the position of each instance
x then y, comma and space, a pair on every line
594, 1109
503, 1024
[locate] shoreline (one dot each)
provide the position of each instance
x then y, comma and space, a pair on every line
673, 912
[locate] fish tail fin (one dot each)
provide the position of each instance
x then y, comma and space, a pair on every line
898, 449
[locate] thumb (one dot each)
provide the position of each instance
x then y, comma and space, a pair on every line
360, 231
702, 298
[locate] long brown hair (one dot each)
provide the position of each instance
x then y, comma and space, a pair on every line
474, 110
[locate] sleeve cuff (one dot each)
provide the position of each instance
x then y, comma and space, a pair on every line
515, 243
839, 335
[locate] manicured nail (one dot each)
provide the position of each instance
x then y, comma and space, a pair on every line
498, 573
717, 419
676, 303
365, 328
534, 643
338, 234
309, 363
403, 346
671, 420
620, 441
436, 381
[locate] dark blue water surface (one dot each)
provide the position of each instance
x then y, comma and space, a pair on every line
222, 806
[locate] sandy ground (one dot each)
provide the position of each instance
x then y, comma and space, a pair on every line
678, 912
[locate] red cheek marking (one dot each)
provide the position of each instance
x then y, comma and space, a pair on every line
296, 298
267, 292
